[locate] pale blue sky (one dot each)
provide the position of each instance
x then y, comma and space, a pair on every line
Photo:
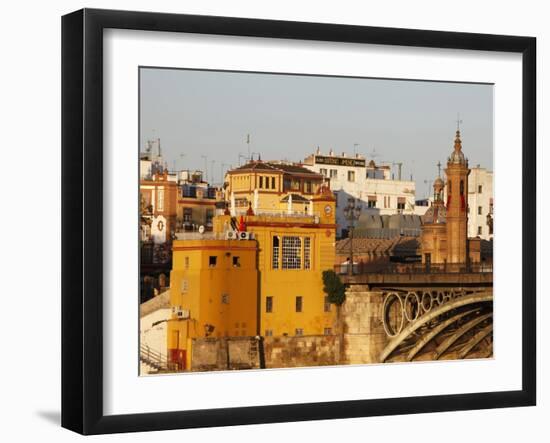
198, 113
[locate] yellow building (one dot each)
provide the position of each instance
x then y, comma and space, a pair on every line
268, 283
213, 293
275, 187
293, 251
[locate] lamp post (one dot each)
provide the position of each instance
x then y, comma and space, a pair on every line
352, 211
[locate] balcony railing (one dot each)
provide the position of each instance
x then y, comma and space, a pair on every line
414, 268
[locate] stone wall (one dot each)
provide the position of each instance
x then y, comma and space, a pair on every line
218, 354
364, 335
364, 339
309, 350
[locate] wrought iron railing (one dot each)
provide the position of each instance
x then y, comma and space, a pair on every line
414, 268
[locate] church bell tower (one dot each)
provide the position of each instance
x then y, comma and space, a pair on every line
457, 204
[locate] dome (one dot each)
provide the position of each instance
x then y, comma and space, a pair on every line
435, 214
457, 156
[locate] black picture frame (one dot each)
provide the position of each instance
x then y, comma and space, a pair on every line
82, 190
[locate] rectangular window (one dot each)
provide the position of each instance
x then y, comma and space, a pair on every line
187, 213
479, 189
275, 252
236, 262
269, 304
269, 333
261, 182
327, 304
401, 202
479, 210
160, 200
333, 173
292, 248
327, 331
225, 299
299, 332
308, 187
184, 286
479, 230
186, 261
351, 176
371, 203
323, 171
209, 216
272, 182
212, 260
299, 303
307, 253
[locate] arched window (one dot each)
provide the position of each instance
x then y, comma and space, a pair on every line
461, 187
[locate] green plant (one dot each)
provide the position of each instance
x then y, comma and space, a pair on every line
334, 288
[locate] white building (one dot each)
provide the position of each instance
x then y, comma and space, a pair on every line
371, 184
153, 320
480, 203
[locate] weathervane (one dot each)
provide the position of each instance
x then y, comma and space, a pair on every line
458, 121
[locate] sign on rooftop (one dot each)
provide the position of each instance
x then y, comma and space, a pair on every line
340, 161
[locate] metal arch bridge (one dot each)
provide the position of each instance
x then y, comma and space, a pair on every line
437, 324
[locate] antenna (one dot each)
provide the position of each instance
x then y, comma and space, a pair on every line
355, 149
429, 183
212, 163
205, 157
182, 157
241, 155
222, 167
248, 144
373, 154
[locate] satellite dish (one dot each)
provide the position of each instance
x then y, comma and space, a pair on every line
201, 229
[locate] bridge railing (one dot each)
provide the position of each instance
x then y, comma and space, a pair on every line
363, 268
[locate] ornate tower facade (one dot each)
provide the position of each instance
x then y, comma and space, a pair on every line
457, 204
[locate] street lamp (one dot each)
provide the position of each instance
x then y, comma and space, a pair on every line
352, 211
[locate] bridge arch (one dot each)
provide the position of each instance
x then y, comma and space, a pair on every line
455, 308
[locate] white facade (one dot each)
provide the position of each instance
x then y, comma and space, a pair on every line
372, 185
145, 166
153, 328
480, 202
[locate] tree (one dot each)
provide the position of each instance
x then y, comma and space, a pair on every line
334, 288
336, 293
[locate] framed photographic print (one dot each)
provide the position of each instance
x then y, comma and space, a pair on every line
269, 221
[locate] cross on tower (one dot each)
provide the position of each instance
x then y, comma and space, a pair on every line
439, 169
458, 121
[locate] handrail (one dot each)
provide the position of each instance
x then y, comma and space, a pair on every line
154, 358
